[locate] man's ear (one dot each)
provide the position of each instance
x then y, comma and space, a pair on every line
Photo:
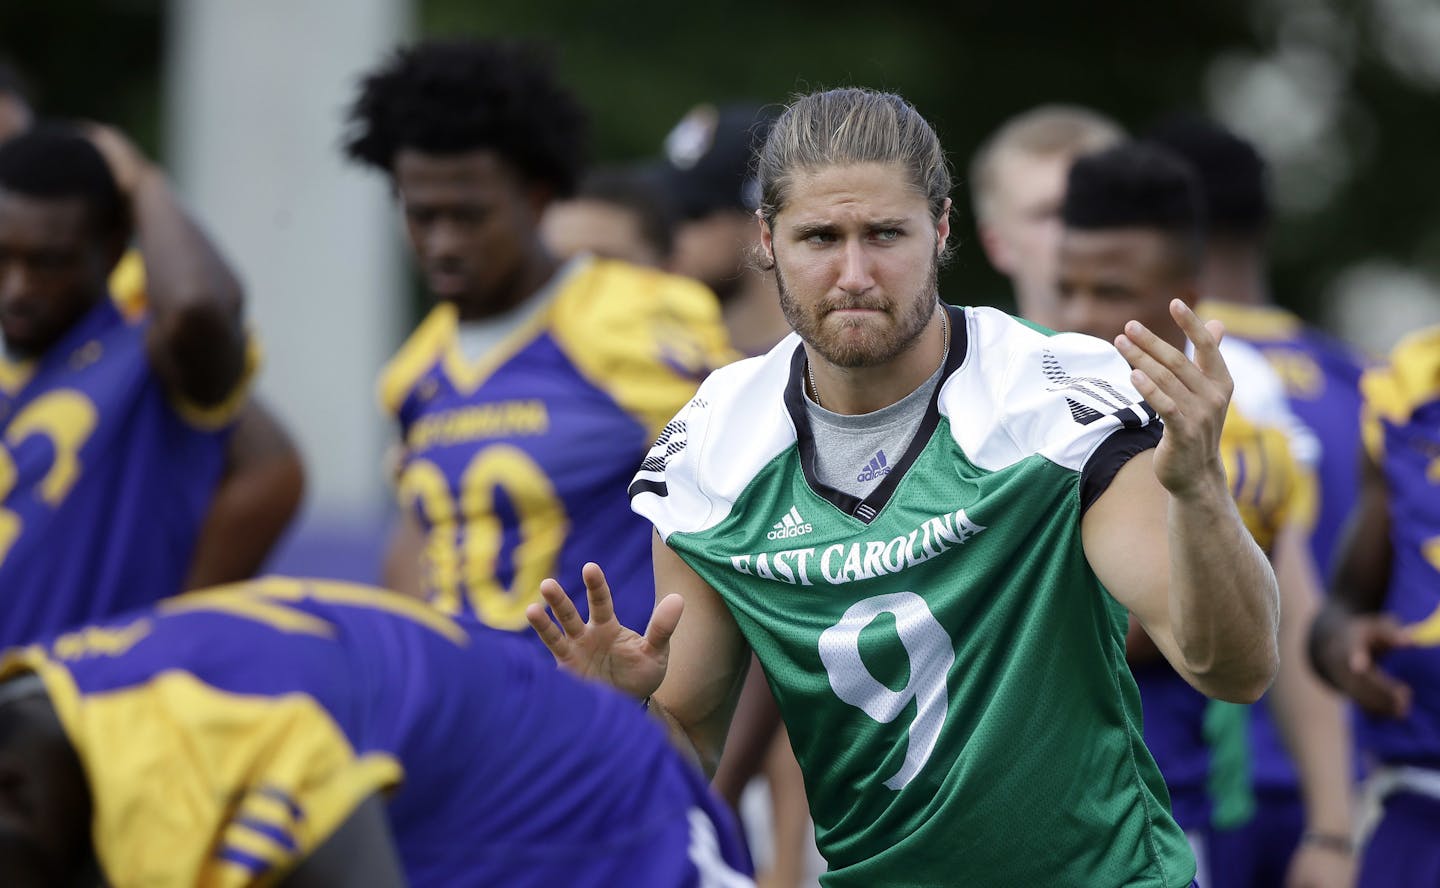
767, 238
942, 228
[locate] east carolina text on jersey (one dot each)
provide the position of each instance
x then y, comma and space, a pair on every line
866, 560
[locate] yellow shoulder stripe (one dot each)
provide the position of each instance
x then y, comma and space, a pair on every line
263, 600
645, 337
1261, 323
336, 592
1410, 379
428, 344
127, 286
225, 601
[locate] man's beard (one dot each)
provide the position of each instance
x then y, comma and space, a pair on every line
877, 346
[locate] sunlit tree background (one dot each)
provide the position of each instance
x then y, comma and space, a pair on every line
1342, 95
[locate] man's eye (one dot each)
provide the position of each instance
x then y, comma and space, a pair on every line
819, 237
888, 234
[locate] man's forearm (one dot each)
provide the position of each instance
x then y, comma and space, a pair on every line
1311, 718
1312, 724
1325, 637
195, 300
182, 266
1224, 605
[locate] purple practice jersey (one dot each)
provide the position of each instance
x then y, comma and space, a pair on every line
1402, 436
1199, 744
227, 733
516, 464
1322, 387
105, 479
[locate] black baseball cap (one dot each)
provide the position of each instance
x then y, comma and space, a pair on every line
708, 161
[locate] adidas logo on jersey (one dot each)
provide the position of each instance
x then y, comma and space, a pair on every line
877, 467
791, 525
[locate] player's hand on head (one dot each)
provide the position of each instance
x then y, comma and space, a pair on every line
602, 648
126, 161
1352, 662
1190, 395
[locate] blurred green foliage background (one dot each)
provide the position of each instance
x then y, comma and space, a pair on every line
1342, 94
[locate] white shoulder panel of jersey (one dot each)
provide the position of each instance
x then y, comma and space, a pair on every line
1260, 395
733, 427
1020, 393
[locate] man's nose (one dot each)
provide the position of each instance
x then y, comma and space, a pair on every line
443, 240
855, 269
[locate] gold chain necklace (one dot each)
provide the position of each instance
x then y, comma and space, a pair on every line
945, 353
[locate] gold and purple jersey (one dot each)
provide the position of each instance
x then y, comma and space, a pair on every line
226, 734
1321, 379
105, 477
1402, 437
1195, 741
516, 464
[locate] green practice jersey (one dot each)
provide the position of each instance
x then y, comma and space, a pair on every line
951, 672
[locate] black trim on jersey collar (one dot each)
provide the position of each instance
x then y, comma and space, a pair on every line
865, 510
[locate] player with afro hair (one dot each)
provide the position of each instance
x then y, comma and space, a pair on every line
451, 97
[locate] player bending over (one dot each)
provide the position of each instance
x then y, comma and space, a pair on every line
309, 733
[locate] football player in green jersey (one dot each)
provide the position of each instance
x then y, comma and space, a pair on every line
928, 523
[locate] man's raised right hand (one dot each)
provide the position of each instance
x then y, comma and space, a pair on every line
602, 648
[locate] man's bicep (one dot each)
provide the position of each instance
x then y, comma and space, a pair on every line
708, 656
1126, 541
202, 355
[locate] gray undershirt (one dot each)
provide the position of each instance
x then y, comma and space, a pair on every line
476, 339
853, 454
